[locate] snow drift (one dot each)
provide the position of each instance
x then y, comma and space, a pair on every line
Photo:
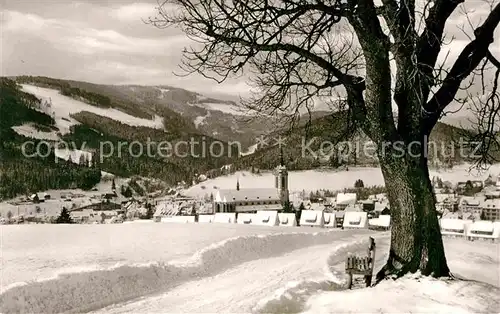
88, 290
410, 294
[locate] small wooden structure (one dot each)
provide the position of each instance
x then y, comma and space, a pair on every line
361, 265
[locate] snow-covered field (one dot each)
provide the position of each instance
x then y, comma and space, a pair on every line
29, 130
63, 106
67, 247
75, 155
312, 180
312, 280
108, 259
222, 107
193, 268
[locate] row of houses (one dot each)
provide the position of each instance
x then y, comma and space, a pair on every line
470, 229
308, 218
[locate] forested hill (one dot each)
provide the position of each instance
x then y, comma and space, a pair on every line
302, 146
181, 109
90, 130
22, 175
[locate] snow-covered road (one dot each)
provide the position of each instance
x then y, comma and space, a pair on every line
253, 286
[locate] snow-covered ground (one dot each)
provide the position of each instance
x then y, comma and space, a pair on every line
410, 295
312, 280
476, 290
123, 261
267, 273
62, 107
311, 180
260, 283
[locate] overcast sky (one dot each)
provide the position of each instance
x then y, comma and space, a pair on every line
97, 41
105, 41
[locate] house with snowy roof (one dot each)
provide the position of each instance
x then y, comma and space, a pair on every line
471, 204
344, 200
382, 208
446, 202
492, 194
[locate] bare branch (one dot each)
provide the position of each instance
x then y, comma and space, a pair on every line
430, 42
468, 60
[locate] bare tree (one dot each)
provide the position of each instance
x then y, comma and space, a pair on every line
299, 51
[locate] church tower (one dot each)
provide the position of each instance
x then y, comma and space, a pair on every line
281, 179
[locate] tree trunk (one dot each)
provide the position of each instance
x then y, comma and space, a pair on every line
416, 242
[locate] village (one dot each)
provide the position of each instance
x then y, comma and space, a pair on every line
458, 205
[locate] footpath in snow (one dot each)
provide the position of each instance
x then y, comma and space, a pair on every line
311, 280
92, 289
283, 273
279, 284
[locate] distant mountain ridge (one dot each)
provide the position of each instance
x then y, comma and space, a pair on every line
222, 119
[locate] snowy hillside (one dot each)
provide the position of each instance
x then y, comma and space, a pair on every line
29, 130
252, 149
62, 107
226, 108
77, 156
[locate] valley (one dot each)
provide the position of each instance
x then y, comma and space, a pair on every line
74, 119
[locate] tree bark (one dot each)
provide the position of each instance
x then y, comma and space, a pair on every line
416, 243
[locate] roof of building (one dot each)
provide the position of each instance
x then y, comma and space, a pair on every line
230, 195
471, 200
353, 208
368, 201
494, 193
490, 203
346, 198
444, 197
381, 206
247, 208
